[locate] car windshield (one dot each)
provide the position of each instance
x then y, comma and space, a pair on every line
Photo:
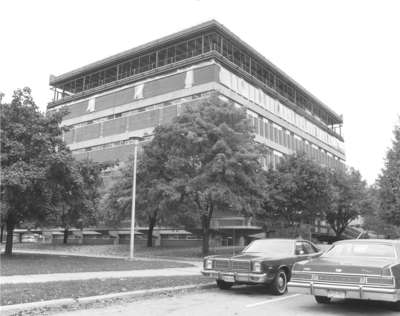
379, 250
271, 247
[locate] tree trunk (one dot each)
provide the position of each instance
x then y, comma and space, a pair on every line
206, 235
2, 232
9, 241
152, 223
339, 232
65, 240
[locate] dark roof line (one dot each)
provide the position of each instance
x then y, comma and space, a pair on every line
173, 37
127, 53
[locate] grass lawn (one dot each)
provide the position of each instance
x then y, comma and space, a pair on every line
19, 264
25, 293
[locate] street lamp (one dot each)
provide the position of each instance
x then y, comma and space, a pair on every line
132, 241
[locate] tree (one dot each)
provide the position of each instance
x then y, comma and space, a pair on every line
389, 183
152, 194
371, 216
296, 192
211, 160
204, 160
347, 199
76, 195
31, 150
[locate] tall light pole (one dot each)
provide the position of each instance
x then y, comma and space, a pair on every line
132, 241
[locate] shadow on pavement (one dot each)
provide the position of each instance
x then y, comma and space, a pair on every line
350, 307
250, 290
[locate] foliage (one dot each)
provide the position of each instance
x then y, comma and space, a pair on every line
296, 192
76, 195
347, 199
389, 183
205, 160
372, 220
151, 193
30, 143
38, 171
211, 161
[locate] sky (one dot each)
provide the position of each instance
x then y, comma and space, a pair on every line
345, 52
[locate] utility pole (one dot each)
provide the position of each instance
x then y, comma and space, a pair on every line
133, 210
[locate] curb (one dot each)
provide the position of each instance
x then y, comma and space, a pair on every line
89, 299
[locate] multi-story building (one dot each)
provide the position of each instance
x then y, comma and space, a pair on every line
128, 94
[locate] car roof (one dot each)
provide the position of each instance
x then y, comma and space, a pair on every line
384, 241
284, 239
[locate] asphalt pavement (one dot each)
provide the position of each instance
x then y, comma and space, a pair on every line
242, 300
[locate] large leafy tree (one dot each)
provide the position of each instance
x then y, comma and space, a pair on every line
206, 159
347, 200
297, 191
389, 183
38, 171
30, 144
211, 160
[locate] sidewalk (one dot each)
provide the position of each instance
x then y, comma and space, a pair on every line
66, 253
42, 278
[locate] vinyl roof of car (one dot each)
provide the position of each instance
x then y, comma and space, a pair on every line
386, 241
288, 239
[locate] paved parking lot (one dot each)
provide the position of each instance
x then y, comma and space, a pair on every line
239, 301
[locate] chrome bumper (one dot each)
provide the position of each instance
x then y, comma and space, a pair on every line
238, 277
345, 291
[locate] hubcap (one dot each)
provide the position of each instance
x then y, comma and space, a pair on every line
281, 282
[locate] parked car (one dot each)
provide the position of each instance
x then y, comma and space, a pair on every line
264, 261
356, 269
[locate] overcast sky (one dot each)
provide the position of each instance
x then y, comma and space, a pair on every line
347, 53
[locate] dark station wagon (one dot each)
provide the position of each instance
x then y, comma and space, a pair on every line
264, 261
366, 269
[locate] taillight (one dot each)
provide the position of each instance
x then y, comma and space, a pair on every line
384, 281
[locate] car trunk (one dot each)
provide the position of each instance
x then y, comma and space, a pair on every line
361, 266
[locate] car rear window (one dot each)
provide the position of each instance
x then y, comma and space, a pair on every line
362, 250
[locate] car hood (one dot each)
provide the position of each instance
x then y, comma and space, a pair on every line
252, 256
351, 265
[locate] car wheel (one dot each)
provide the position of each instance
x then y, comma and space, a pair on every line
224, 285
279, 284
322, 299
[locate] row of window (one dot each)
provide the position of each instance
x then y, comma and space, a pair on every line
262, 99
262, 127
146, 139
157, 58
281, 136
266, 75
139, 110
187, 49
273, 158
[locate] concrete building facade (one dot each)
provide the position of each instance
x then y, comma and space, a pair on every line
128, 94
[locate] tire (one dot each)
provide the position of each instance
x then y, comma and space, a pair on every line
224, 285
279, 284
322, 299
